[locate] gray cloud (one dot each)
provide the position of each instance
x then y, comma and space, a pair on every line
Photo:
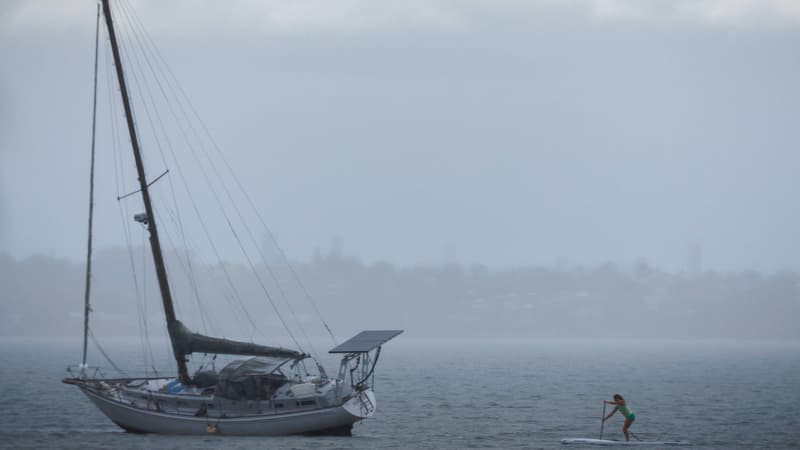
365, 16
504, 138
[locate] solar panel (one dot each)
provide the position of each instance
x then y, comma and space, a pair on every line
365, 341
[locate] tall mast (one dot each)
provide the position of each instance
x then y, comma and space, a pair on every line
87, 288
158, 260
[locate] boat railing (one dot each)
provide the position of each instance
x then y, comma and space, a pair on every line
363, 351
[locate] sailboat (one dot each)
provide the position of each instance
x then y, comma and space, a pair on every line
264, 393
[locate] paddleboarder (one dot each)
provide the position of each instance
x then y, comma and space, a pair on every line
620, 404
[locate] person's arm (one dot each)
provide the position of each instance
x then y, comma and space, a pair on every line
611, 413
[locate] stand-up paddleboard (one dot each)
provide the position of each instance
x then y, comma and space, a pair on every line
588, 441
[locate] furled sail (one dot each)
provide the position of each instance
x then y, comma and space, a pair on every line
186, 342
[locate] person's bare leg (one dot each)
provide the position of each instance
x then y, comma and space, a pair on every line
625, 427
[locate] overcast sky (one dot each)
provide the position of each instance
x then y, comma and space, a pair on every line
496, 132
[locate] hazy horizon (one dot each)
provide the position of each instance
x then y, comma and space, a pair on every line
689, 267
446, 301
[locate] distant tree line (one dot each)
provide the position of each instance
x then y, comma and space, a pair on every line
43, 296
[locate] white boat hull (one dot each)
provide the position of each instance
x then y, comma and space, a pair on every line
333, 420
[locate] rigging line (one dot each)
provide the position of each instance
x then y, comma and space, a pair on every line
103, 352
147, 90
263, 287
232, 228
204, 318
249, 260
87, 287
207, 178
148, 185
253, 241
234, 302
222, 265
183, 179
135, 75
141, 295
118, 170
175, 115
215, 250
113, 126
144, 300
156, 52
233, 203
124, 55
268, 230
119, 178
236, 312
233, 305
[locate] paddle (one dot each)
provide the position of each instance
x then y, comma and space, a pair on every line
603, 419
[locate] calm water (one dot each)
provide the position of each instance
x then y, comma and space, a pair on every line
462, 394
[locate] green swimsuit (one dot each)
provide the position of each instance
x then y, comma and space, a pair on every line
626, 412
